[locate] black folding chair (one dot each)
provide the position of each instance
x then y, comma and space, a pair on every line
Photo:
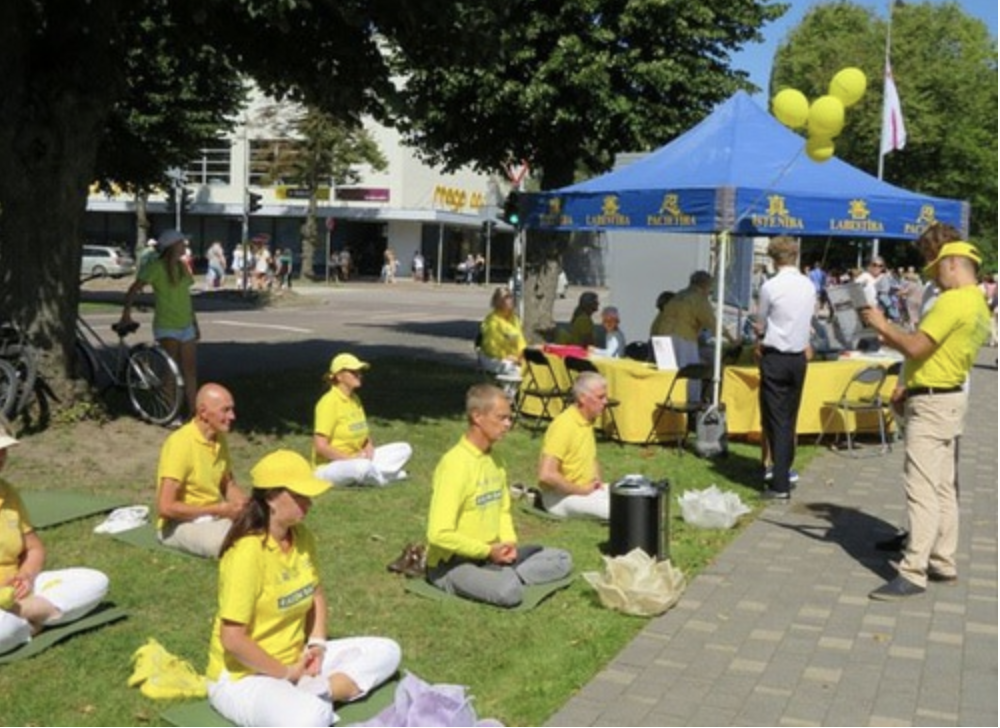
575, 366
542, 384
674, 403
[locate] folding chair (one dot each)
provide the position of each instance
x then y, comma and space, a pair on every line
542, 384
575, 366
674, 404
862, 394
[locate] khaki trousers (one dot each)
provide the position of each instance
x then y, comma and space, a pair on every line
933, 422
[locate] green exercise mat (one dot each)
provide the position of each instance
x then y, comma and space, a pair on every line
201, 713
534, 594
52, 507
104, 614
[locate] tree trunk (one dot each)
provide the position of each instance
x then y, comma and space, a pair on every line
51, 118
309, 239
544, 252
544, 255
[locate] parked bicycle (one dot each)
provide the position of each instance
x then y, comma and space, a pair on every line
152, 379
18, 370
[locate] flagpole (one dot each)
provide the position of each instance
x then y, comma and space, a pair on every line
885, 67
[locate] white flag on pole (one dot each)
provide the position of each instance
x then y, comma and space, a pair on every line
893, 130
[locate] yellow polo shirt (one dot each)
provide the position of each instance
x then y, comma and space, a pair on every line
959, 323
341, 420
14, 524
270, 592
198, 464
470, 505
570, 440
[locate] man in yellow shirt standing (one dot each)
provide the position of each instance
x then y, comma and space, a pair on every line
196, 494
939, 356
473, 550
568, 470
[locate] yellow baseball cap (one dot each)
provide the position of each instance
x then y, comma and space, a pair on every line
959, 249
349, 362
289, 470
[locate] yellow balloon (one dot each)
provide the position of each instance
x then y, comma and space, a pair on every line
849, 85
819, 148
826, 117
791, 108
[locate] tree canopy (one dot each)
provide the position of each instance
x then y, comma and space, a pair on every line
944, 63
563, 86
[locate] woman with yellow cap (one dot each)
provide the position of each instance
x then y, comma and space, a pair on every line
343, 450
270, 662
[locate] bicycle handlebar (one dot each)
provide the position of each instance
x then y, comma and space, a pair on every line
124, 329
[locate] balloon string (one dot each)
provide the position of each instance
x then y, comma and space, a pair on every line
767, 190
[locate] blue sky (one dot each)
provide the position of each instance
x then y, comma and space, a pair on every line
756, 59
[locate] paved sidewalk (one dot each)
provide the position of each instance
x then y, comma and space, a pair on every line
780, 630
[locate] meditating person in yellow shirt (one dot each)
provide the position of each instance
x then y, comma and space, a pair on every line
32, 598
568, 470
343, 450
270, 662
472, 547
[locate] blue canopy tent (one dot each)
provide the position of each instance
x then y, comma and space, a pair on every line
740, 172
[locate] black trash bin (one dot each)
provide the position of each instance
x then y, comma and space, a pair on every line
640, 517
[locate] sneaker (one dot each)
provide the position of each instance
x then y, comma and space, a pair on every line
793, 475
782, 496
898, 588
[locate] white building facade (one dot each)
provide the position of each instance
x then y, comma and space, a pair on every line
407, 208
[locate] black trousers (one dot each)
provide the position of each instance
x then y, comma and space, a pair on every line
782, 377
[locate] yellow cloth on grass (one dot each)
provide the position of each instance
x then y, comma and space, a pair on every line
163, 676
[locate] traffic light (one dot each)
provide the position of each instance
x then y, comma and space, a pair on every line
171, 201
253, 201
186, 199
512, 209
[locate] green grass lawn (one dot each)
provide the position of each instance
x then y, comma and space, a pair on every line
520, 667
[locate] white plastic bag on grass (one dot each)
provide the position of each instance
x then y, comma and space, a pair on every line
711, 507
638, 584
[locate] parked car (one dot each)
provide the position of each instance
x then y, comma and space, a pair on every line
102, 260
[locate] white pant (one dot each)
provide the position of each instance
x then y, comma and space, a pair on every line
385, 466
258, 700
593, 505
74, 592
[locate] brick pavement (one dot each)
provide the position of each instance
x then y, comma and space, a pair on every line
780, 630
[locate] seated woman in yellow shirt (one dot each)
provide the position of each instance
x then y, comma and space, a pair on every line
501, 340
343, 450
270, 662
30, 598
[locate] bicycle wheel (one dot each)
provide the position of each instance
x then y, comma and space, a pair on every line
155, 386
26, 366
8, 389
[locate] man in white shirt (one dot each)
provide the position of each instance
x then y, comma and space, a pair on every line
786, 306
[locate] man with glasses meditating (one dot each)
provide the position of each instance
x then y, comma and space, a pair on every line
473, 550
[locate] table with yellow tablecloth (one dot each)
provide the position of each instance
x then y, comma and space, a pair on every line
825, 382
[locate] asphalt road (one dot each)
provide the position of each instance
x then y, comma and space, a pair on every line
423, 321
